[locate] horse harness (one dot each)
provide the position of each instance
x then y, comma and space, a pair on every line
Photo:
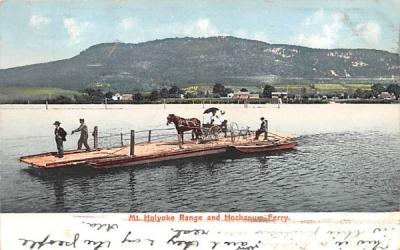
186, 123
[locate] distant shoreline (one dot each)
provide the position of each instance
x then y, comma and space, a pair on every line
216, 102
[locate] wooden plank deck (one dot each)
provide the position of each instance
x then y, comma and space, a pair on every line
144, 152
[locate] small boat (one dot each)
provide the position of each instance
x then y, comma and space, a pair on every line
265, 147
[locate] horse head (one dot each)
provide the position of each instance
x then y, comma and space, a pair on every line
170, 119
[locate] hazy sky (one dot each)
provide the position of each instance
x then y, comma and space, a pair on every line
33, 31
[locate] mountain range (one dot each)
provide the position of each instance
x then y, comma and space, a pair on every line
190, 61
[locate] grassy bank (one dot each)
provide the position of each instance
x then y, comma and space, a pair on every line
324, 87
32, 94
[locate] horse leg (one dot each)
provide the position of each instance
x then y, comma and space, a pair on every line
179, 141
197, 136
182, 136
198, 133
193, 133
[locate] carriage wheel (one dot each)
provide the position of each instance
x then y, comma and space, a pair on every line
205, 133
214, 132
234, 129
233, 136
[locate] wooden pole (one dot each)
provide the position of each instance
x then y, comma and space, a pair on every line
164, 103
149, 139
132, 151
287, 95
47, 105
105, 102
96, 137
122, 139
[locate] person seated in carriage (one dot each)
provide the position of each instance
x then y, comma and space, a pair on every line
215, 120
224, 122
218, 119
263, 129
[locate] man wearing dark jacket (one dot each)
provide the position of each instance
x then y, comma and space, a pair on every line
263, 129
84, 135
60, 135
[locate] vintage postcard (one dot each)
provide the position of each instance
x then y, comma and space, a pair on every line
204, 124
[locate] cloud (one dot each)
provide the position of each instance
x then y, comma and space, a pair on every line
321, 30
240, 33
37, 21
260, 36
75, 29
200, 28
204, 27
369, 31
128, 23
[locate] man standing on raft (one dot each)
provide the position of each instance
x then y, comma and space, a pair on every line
84, 135
60, 135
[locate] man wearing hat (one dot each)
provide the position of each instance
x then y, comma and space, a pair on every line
263, 129
84, 135
224, 122
60, 135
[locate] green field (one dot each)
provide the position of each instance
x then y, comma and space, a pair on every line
290, 86
325, 87
329, 87
33, 93
363, 86
295, 87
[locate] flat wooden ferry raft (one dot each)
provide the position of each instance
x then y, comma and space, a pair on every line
158, 151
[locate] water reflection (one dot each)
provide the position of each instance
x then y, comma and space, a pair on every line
59, 193
83, 185
132, 195
263, 165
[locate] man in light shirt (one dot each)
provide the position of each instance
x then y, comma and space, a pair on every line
84, 135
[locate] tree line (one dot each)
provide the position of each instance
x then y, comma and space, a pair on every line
376, 90
97, 95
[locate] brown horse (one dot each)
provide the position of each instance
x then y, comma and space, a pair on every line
182, 125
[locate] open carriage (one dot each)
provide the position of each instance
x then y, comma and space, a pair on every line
213, 131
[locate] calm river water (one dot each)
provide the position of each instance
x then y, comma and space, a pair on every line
347, 160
